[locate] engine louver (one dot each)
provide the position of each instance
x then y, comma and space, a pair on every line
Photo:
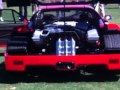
112, 41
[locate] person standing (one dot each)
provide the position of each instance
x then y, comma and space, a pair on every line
1, 7
23, 11
34, 6
23, 8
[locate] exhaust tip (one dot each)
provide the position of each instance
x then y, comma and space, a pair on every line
65, 66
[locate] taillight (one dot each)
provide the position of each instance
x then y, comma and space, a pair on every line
18, 62
114, 61
23, 29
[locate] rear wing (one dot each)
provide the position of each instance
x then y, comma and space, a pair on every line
62, 2
67, 2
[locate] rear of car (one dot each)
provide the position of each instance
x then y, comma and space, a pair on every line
66, 37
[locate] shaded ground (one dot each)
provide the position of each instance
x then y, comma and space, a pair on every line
50, 76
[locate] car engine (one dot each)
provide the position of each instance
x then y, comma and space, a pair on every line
63, 38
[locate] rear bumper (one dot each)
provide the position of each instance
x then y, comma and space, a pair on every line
19, 63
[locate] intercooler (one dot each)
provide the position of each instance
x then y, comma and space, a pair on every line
65, 47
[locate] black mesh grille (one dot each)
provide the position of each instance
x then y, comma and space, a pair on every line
112, 41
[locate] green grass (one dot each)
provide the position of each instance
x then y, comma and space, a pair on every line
29, 9
67, 82
113, 10
2, 50
55, 81
63, 86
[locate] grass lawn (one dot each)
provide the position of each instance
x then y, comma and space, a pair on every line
59, 81
113, 10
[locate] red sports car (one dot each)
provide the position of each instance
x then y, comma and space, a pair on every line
65, 37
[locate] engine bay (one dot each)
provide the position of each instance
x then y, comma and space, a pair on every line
65, 38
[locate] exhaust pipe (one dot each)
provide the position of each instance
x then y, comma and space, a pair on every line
65, 66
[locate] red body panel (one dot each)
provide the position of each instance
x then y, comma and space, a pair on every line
52, 60
2, 45
113, 26
62, 6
